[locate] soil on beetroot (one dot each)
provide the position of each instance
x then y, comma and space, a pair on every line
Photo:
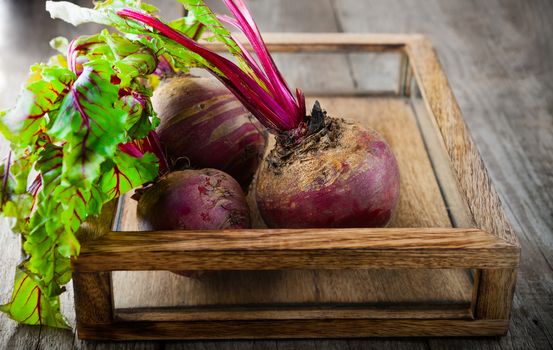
290, 148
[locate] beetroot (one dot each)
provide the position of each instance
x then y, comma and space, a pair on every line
323, 171
202, 122
206, 199
341, 176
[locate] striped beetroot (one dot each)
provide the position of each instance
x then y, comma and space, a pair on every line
202, 123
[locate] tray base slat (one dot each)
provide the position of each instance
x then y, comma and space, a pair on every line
273, 329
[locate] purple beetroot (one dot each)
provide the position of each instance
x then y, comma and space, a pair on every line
342, 176
201, 122
206, 199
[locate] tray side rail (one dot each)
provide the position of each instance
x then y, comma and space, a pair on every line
274, 249
494, 289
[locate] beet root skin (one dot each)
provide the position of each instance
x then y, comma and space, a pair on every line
200, 120
352, 183
206, 199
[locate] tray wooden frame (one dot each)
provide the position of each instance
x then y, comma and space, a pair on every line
490, 247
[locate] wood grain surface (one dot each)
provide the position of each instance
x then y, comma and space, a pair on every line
497, 56
289, 328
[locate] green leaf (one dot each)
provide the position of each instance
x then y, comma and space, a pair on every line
46, 87
203, 14
103, 12
16, 200
43, 240
141, 118
60, 44
65, 132
50, 266
133, 59
106, 13
188, 26
79, 205
89, 123
137, 64
49, 164
75, 14
128, 172
29, 305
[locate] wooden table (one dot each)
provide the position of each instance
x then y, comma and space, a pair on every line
499, 59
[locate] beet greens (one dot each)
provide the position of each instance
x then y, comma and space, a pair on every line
260, 87
81, 135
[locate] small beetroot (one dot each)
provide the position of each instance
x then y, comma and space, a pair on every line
206, 199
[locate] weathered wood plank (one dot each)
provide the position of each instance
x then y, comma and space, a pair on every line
307, 249
355, 289
290, 313
395, 239
275, 329
93, 297
496, 57
486, 209
495, 290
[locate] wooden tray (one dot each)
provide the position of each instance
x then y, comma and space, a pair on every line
445, 266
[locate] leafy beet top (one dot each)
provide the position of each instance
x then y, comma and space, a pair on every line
81, 135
